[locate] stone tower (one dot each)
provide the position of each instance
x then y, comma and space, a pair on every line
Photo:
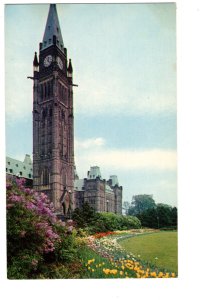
53, 129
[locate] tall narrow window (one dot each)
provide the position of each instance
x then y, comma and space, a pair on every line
48, 90
41, 91
45, 90
45, 177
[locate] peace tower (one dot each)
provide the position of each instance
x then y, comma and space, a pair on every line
53, 119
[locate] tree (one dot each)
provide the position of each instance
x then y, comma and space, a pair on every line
85, 215
141, 203
162, 216
174, 216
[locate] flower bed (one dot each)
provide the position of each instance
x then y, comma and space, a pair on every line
114, 262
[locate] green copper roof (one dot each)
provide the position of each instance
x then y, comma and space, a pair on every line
52, 28
20, 168
114, 180
94, 172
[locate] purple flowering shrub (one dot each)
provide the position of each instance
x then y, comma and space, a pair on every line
36, 239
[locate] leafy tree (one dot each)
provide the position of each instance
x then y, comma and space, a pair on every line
161, 216
174, 216
93, 222
141, 203
164, 214
149, 218
85, 215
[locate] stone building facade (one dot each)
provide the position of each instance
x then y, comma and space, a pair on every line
103, 195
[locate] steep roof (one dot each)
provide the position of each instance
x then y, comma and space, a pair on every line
94, 172
52, 28
20, 168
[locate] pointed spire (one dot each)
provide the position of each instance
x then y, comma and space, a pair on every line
35, 61
35, 64
70, 69
52, 34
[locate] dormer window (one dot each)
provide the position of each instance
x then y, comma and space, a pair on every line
49, 27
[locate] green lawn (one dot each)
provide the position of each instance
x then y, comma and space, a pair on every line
162, 245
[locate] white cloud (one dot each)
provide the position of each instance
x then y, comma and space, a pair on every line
89, 143
93, 152
130, 159
18, 95
118, 97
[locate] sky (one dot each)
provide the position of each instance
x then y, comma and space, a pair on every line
124, 62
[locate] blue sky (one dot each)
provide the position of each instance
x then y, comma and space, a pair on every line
124, 61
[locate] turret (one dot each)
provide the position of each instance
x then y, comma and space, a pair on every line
35, 64
70, 69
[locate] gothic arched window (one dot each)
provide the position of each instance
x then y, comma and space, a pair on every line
45, 90
45, 176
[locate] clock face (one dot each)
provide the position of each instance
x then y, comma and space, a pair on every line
48, 60
59, 62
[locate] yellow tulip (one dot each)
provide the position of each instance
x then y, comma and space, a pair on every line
106, 271
114, 271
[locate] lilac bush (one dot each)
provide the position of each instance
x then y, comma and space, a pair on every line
35, 237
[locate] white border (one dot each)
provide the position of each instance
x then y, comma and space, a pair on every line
188, 59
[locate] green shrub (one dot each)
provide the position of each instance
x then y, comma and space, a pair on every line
38, 244
93, 222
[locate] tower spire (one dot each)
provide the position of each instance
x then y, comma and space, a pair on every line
52, 33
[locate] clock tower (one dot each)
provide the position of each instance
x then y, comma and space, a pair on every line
53, 125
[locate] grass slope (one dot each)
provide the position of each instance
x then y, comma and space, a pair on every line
162, 245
